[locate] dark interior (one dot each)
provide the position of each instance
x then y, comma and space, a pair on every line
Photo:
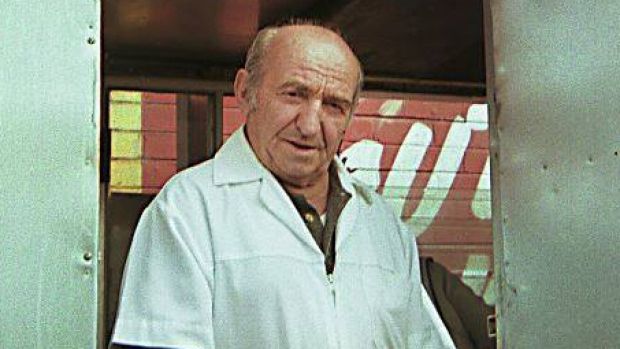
424, 46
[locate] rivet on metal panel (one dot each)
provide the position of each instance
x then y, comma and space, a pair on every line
88, 256
513, 289
545, 166
91, 41
616, 153
590, 159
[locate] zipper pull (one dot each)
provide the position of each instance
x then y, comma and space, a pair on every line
332, 289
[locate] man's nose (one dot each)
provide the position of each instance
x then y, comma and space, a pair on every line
309, 118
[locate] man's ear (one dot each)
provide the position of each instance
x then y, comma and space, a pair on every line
241, 91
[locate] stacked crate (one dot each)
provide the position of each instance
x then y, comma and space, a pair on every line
143, 150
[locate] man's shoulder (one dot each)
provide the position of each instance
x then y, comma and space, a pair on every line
381, 212
188, 185
370, 197
198, 176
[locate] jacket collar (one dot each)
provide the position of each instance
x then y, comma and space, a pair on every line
346, 180
236, 162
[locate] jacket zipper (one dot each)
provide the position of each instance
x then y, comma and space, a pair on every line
332, 292
332, 289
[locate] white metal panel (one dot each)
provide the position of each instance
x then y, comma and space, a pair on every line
557, 137
49, 125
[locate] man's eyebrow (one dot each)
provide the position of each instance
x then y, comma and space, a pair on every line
300, 86
338, 100
295, 84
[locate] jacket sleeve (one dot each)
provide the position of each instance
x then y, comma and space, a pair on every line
436, 334
166, 296
427, 330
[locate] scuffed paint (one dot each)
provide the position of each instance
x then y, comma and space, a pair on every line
481, 204
404, 169
446, 168
406, 163
391, 107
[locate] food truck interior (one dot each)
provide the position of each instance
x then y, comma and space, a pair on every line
167, 76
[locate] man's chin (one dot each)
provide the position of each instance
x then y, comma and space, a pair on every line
301, 177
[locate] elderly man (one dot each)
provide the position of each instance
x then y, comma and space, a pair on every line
272, 244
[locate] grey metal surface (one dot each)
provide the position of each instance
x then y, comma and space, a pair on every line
557, 134
49, 119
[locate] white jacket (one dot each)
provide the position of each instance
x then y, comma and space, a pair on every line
222, 259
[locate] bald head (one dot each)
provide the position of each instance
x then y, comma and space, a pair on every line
273, 38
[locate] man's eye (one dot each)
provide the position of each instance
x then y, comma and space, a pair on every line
292, 94
335, 107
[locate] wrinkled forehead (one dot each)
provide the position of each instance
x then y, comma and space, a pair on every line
319, 79
314, 55
312, 35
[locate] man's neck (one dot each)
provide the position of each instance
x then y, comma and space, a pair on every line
315, 193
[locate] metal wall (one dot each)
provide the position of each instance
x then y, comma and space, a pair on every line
555, 143
49, 196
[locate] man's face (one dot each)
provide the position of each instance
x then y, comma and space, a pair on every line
303, 103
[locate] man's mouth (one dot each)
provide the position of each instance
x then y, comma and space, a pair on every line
302, 146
